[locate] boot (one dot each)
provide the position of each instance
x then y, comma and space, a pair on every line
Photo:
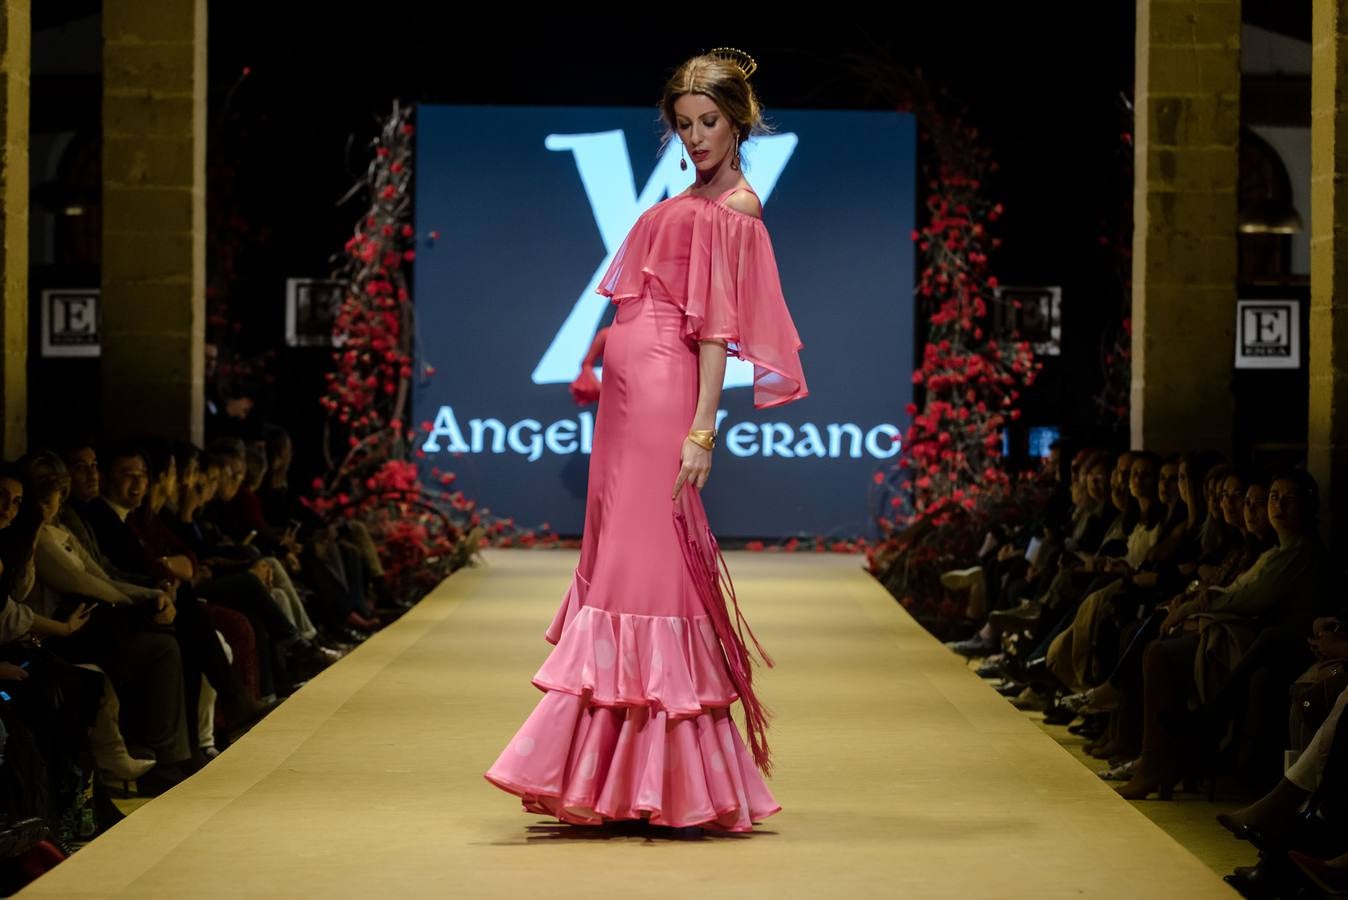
107, 744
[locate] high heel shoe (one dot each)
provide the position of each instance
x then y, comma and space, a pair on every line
1141, 786
357, 621
1274, 813
1102, 699
1109, 750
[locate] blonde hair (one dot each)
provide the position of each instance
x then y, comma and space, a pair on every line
724, 82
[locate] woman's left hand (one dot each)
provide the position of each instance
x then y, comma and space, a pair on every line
695, 468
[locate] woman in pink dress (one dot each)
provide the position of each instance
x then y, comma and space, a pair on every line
635, 720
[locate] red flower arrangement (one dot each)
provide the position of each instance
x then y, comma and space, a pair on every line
424, 529
948, 484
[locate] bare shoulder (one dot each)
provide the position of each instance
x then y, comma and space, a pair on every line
745, 201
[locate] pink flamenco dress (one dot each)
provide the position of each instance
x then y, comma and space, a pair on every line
634, 722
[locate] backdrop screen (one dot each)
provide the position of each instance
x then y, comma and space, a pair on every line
528, 206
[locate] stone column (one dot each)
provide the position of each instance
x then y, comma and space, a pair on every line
16, 40
154, 217
1327, 432
1184, 233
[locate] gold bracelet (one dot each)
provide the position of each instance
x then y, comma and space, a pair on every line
703, 437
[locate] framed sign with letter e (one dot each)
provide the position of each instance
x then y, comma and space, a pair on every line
70, 322
1268, 334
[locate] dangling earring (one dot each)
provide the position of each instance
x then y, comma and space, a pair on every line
735, 160
683, 163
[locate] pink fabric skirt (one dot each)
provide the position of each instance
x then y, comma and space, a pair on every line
635, 719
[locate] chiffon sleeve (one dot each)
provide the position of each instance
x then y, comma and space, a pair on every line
735, 295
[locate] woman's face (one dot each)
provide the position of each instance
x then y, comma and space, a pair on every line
210, 484
708, 136
1256, 510
1212, 495
11, 500
191, 479
1076, 486
50, 507
1097, 483
280, 463
1232, 498
1167, 486
1142, 480
1183, 477
231, 479
1286, 508
1118, 482
170, 479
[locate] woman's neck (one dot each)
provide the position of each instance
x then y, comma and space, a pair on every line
721, 178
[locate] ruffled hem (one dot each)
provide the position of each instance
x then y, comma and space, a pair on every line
587, 764
570, 606
670, 663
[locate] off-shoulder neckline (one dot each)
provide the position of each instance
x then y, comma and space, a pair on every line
717, 203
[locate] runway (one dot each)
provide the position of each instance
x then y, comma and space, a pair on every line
900, 773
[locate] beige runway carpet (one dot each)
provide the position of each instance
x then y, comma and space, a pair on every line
900, 773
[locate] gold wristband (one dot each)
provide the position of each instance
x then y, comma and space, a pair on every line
703, 437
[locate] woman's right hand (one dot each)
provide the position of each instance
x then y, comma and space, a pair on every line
694, 467
263, 572
78, 618
165, 611
11, 672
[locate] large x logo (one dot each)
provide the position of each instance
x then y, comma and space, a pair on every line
606, 173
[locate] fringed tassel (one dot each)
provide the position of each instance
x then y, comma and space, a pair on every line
711, 578
728, 588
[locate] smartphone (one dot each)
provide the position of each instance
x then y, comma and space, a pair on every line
5, 697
